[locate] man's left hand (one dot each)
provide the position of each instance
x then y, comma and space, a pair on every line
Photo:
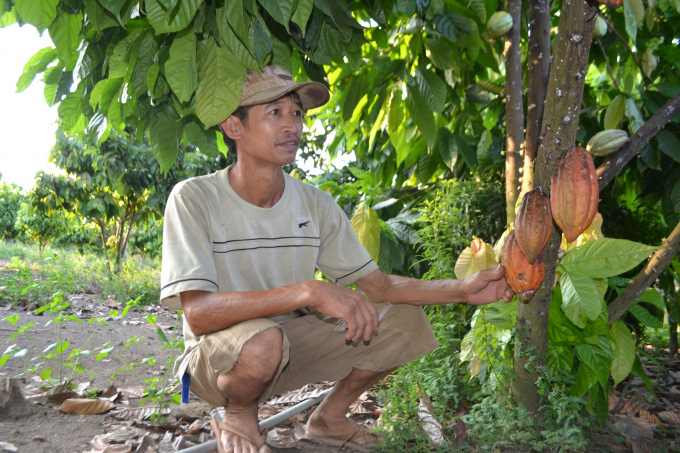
487, 286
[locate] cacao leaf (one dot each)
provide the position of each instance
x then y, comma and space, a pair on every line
40, 13
71, 108
390, 255
36, 64
446, 145
427, 165
302, 14
262, 43
280, 10
634, 116
580, 298
646, 318
165, 131
165, 20
615, 111
119, 61
624, 356
85, 406
65, 33
422, 116
367, 228
181, 67
137, 413
668, 144
432, 89
559, 359
630, 20
606, 257
597, 358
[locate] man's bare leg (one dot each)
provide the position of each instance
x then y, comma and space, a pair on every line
329, 419
242, 386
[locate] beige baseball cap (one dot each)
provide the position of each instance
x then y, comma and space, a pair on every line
273, 82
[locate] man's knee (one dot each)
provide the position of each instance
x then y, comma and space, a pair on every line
261, 355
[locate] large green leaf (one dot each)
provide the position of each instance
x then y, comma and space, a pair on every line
645, 317
302, 14
390, 255
145, 58
165, 131
367, 228
598, 358
559, 359
40, 13
669, 144
606, 257
169, 20
631, 21
262, 43
120, 59
280, 10
448, 149
615, 111
65, 33
580, 298
35, 65
181, 68
71, 108
204, 139
624, 357
233, 12
432, 89
422, 116
427, 165
219, 86
452, 25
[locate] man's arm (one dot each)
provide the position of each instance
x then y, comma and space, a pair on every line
484, 287
208, 312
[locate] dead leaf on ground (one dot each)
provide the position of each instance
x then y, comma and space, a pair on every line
282, 438
651, 418
670, 417
99, 445
633, 428
137, 413
459, 431
133, 392
84, 406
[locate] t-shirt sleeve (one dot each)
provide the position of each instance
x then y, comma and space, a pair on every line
342, 257
187, 258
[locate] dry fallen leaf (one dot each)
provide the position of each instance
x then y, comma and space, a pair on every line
85, 406
670, 417
132, 392
100, 446
281, 438
651, 418
141, 413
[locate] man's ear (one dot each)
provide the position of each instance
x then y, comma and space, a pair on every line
232, 127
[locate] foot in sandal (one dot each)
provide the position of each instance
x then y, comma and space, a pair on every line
239, 433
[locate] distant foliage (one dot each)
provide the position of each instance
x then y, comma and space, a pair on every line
11, 199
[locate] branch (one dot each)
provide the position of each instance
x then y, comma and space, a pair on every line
648, 81
657, 263
539, 69
514, 109
609, 68
613, 165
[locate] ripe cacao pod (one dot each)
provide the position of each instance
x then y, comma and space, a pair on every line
600, 27
523, 277
574, 192
499, 24
533, 223
606, 142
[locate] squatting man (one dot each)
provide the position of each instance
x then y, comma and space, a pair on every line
240, 248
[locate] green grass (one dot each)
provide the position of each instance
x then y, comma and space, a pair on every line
32, 278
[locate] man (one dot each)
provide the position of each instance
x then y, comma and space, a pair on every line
240, 248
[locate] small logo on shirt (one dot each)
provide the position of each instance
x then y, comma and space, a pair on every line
303, 221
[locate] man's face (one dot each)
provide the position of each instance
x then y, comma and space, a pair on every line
270, 135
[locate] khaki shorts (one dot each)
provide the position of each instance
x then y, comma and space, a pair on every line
314, 349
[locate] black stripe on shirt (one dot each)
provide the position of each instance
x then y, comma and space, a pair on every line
266, 247
188, 280
266, 239
354, 271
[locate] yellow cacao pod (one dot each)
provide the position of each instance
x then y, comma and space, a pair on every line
606, 142
499, 24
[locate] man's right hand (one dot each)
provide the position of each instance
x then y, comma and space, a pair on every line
349, 305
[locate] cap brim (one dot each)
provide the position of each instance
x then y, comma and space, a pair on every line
312, 95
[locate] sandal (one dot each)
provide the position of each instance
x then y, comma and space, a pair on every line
361, 434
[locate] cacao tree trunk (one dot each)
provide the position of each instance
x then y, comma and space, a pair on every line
514, 110
558, 132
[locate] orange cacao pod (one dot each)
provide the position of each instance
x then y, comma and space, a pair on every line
574, 192
533, 223
523, 277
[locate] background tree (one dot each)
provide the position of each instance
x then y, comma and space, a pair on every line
11, 198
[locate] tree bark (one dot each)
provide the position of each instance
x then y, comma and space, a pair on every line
558, 133
657, 263
514, 110
539, 69
613, 165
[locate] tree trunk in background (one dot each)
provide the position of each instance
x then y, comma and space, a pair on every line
558, 133
514, 110
539, 68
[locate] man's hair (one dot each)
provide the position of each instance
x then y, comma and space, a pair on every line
242, 114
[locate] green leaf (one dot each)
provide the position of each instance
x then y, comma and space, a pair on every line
233, 12
614, 113
451, 25
37, 64
652, 296
606, 257
13, 319
165, 131
302, 14
181, 68
585, 379
6, 19
219, 86
559, 359
205, 140
422, 116
442, 53
145, 58
161, 335
479, 8
71, 108
170, 20
63, 346
330, 43
631, 20
597, 358
624, 357
432, 89
634, 116
120, 59
262, 43
646, 318
280, 10
427, 165
669, 144
65, 33
40, 13
367, 228
448, 150
580, 298
390, 255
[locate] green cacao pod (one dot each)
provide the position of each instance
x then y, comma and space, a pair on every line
523, 277
499, 24
606, 142
574, 192
533, 223
600, 27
